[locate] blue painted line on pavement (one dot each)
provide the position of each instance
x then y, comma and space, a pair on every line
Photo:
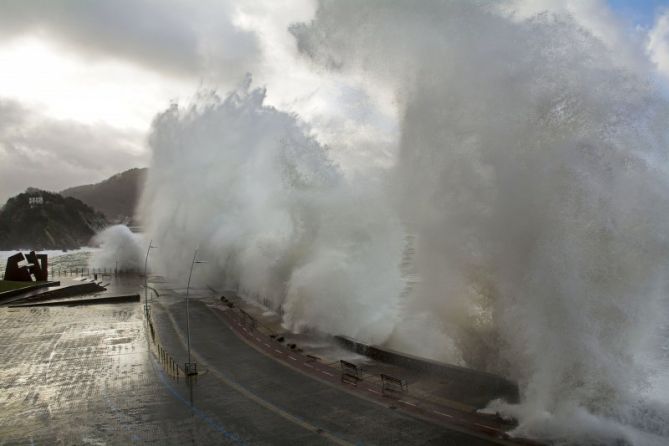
214, 424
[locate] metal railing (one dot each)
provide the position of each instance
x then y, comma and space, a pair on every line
57, 271
166, 359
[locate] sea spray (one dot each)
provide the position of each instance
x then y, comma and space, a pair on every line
259, 197
531, 176
532, 172
120, 249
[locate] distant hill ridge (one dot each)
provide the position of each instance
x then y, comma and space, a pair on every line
42, 220
116, 197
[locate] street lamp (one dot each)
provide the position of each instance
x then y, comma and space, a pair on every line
146, 277
190, 367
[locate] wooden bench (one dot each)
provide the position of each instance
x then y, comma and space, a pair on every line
392, 384
350, 372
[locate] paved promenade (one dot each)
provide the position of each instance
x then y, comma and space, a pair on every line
95, 375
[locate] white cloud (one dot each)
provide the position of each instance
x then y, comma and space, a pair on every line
176, 37
658, 44
38, 151
64, 86
81, 81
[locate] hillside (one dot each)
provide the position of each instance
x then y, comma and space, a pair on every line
116, 197
54, 222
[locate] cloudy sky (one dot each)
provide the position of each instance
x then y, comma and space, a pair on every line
82, 80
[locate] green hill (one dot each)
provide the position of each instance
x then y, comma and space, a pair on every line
56, 222
116, 197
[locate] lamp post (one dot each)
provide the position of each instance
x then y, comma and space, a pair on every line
190, 367
146, 277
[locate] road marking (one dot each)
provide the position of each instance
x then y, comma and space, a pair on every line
257, 338
157, 369
406, 402
267, 345
308, 365
278, 351
250, 395
292, 358
442, 414
486, 427
327, 373
373, 391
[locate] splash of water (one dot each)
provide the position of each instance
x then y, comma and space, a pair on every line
120, 249
531, 178
259, 197
532, 170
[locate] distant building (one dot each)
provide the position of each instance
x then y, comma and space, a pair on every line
36, 201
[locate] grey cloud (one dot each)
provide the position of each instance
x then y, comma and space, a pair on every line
55, 154
180, 37
11, 114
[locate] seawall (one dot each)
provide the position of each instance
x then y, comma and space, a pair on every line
467, 385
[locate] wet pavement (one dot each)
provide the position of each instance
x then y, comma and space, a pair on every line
321, 405
96, 375
428, 387
83, 375
91, 375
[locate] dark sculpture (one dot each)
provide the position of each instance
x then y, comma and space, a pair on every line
27, 268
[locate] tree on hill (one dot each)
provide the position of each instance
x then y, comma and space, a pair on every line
116, 197
42, 220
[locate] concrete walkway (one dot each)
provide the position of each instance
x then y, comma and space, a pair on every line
96, 375
226, 361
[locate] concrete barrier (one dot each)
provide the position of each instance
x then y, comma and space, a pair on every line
469, 386
7, 296
62, 292
86, 301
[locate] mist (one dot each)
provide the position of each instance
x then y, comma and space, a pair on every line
119, 249
520, 230
259, 198
532, 170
